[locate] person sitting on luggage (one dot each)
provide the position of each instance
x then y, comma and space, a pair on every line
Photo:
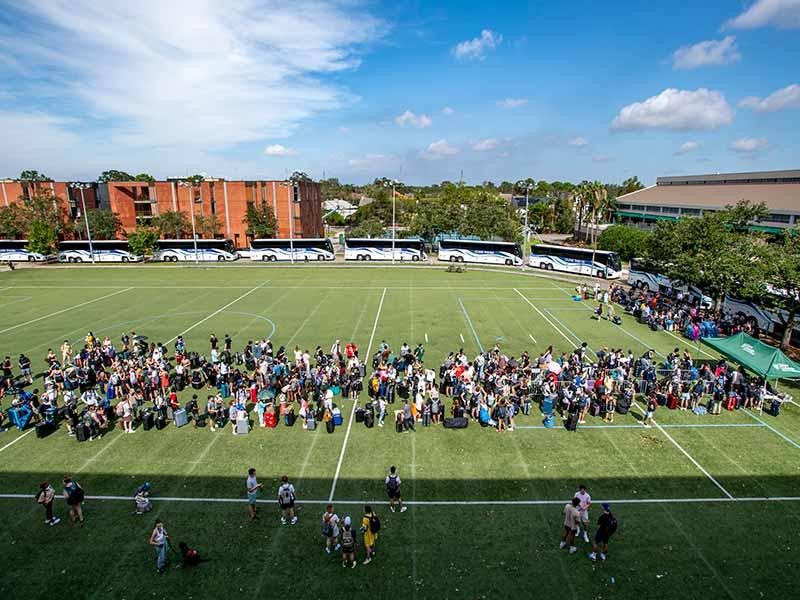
142, 499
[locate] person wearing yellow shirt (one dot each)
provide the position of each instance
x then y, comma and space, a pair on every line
370, 525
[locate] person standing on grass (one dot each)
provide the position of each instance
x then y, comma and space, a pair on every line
585, 503
160, 540
652, 405
572, 518
45, 497
393, 490
286, 500
370, 525
606, 527
73, 493
348, 543
253, 489
330, 529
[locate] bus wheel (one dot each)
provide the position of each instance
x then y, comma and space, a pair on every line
508, 262
174, 259
453, 259
124, 259
415, 258
601, 274
264, 258
320, 257
220, 259
78, 259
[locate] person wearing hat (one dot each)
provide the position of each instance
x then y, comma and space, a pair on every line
348, 543
142, 499
606, 527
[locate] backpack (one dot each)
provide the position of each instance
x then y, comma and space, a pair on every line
612, 524
327, 528
348, 540
393, 485
286, 495
374, 523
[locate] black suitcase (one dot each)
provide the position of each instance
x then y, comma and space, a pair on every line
572, 422
44, 429
362, 369
369, 420
148, 420
526, 407
330, 426
426, 419
456, 423
774, 408
289, 418
398, 425
82, 432
359, 415
161, 422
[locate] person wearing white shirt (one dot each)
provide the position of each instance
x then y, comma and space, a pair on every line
585, 503
330, 529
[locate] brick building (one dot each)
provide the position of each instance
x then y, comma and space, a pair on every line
297, 206
69, 198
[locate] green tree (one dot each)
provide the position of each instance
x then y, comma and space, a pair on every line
143, 241
104, 224
260, 221
207, 226
31, 175
564, 221
490, 216
435, 215
335, 219
173, 224
42, 206
629, 242
369, 228
114, 175
196, 179
12, 221
42, 238
144, 177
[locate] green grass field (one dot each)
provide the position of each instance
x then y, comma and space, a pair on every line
708, 506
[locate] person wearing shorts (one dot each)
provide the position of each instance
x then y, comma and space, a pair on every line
585, 503
606, 527
393, 490
286, 498
348, 543
571, 520
253, 489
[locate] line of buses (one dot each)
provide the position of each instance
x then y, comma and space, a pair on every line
577, 261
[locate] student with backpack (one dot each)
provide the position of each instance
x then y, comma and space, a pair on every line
286, 499
74, 495
606, 527
393, 490
348, 544
330, 529
370, 526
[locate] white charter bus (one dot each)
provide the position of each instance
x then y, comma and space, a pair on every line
271, 250
478, 251
183, 250
577, 261
17, 250
408, 249
79, 251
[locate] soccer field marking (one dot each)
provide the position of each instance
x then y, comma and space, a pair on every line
685, 453
426, 338
309, 316
461, 335
533, 338
471, 326
492, 502
771, 428
16, 439
216, 312
63, 310
667, 426
367, 356
578, 339
553, 325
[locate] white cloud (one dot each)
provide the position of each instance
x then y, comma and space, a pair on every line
788, 97
279, 150
783, 14
510, 103
706, 53
199, 67
409, 118
749, 145
687, 147
447, 111
476, 47
578, 142
601, 158
679, 110
486, 144
439, 149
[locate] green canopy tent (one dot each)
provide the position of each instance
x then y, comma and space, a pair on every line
761, 358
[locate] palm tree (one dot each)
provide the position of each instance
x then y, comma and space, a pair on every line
599, 204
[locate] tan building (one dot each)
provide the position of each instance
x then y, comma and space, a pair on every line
674, 197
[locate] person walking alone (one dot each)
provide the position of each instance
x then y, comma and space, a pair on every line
253, 489
393, 490
160, 540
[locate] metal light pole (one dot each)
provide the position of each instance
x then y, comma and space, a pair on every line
291, 217
393, 183
189, 185
81, 187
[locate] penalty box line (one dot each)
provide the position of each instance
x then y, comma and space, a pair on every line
533, 502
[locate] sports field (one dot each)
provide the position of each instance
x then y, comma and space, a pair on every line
708, 507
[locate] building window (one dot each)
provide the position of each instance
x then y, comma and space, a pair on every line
637, 207
778, 218
213, 198
690, 211
672, 210
295, 193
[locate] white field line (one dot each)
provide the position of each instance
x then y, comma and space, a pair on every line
63, 310
216, 312
367, 356
461, 335
668, 426
18, 438
765, 424
426, 337
493, 502
471, 326
689, 456
553, 325
533, 338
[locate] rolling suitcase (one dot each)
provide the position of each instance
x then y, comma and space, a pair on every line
547, 406
672, 402
242, 425
359, 415
44, 429
82, 432
398, 426
289, 418
362, 370
571, 423
337, 416
549, 422
595, 409
330, 426
148, 420
180, 418
526, 407
426, 419
161, 422
774, 408
369, 420
311, 423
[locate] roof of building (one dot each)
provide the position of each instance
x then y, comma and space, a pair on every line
709, 191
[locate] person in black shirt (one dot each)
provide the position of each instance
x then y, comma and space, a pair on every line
606, 527
25, 368
213, 341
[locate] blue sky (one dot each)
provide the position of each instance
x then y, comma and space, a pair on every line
418, 91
